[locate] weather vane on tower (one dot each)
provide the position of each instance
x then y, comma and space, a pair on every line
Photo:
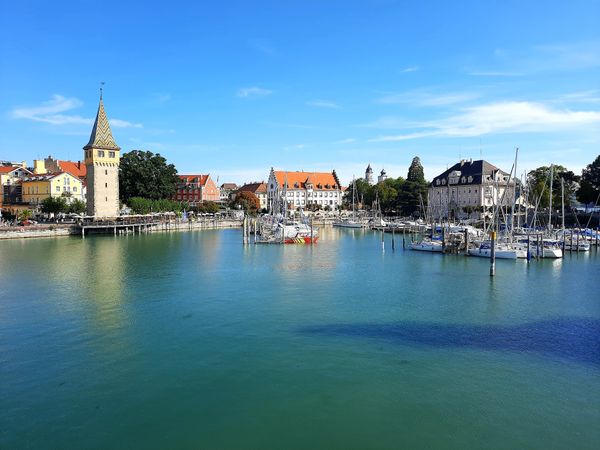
101, 88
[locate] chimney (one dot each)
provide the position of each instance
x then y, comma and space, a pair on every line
24, 164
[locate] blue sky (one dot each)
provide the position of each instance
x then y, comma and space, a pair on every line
234, 88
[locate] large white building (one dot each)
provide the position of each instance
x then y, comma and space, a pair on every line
468, 186
304, 188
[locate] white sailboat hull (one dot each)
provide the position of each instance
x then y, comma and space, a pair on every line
426, 247
348, 224
500, 253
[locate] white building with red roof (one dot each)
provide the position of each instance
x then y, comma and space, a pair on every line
301, 189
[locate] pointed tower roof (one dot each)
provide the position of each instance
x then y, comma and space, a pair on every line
101, 136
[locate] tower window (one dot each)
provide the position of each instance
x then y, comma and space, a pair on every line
106, 198
111, 154
105, 185
105, 171
101, 153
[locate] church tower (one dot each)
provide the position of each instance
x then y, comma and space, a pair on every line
102, 156
369, 175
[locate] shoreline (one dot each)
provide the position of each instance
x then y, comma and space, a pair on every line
54, 230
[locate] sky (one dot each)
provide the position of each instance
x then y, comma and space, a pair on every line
233, 88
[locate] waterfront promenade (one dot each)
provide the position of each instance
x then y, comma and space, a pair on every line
125, 226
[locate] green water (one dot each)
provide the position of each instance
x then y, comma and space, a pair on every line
190, 340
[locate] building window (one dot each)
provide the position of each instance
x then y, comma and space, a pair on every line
106, 198
105, 171
57, 188
106, 185
74, 188
111, 154
101, 153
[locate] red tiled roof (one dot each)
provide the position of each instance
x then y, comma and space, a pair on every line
77, 169
200, 179
319, 180
256, 188
9, 169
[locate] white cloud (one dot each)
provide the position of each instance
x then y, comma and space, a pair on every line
323, 104
501, 117
410, 69
345, 141
50, 112
423, 98
124, 124
543, 58
253, 91
590, 96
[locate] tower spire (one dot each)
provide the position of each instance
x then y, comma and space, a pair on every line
101, 136
101, 89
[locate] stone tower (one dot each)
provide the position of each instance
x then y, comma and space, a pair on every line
102, 156
369, 175
382, 176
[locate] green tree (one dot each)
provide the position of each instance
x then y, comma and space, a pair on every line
589, 189
413, 193
415, 171
140, 205
247, 200
363, 193
208, 207
54, 205
539, 186
76, 206
144, 174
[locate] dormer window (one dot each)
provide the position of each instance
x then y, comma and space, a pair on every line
296, 185
463, 180
444, 181
437, 182
470, 179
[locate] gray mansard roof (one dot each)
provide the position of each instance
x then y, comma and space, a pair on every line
469, 173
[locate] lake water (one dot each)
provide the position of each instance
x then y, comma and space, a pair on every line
191, 340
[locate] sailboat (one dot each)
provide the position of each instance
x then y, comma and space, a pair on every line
351, 222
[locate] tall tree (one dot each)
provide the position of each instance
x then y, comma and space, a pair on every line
54, 205
539, 186
144, 174
415, 171
589, 189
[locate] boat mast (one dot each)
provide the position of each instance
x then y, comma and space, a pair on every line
562, 196
353, 197
550, 212
512, 209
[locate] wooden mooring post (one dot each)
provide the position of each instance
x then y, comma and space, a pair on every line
493, 255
